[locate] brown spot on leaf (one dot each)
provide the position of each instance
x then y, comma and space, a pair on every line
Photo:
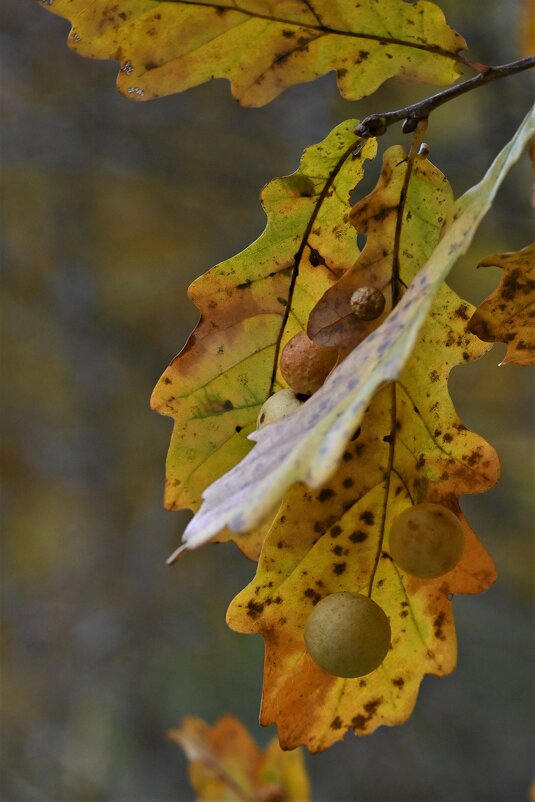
325, 494
313, 595
438, 623
336, 530
254, 609
462, 311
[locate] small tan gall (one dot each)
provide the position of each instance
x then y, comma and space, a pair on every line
368, 303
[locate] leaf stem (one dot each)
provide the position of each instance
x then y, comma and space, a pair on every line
396, 297
354, 150
377, 124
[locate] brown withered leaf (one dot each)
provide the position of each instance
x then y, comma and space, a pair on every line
508, 314
392, 249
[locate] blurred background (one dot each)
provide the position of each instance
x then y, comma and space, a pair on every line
110, 209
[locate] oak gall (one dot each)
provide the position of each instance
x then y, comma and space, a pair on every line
305, 365
277, 406
426, 540
347, 634
368, 303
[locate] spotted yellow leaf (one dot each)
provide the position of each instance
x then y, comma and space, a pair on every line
263, 46
410, 447
251, 305
508, 314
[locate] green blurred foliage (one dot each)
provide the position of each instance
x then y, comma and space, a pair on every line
110, 208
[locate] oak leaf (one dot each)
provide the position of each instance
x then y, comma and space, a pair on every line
508, 314
262, 47
410, 447
307, 446
251, 305
227, 766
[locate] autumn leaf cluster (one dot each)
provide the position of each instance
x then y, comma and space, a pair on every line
313, 501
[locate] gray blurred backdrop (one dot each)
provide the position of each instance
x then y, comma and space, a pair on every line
110, 209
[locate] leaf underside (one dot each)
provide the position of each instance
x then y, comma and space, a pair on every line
409, 447
263, 47
508, 314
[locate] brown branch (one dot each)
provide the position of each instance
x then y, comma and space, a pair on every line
377, 124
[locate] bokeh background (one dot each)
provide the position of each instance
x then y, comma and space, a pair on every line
110, 209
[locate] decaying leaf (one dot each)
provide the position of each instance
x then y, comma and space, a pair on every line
410, 447
307, 446
395, 246
508, 314
263, 47
251, 305
227, 766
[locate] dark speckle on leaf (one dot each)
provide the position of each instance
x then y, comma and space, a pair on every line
313, 595
325, 494
254, 609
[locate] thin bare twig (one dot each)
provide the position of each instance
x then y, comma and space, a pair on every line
377, 124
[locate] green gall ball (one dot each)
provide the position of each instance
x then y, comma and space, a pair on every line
347, 634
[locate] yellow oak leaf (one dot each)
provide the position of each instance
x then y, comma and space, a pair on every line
227, 766
410, 447
251, 305
508, 314
263, 47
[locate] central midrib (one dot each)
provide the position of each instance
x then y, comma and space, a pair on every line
324, 29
